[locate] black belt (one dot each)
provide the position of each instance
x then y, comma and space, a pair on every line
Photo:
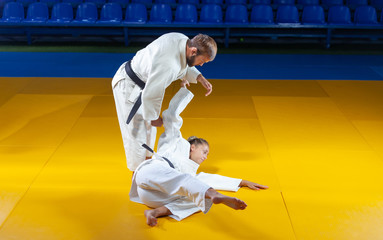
140, 83
151, 150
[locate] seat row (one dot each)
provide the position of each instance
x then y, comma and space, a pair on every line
311, 14
326, 3
187, 14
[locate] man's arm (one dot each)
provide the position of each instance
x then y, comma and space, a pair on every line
194, 76
159, 78
205, 83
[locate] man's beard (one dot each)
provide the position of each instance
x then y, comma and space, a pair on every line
190, 61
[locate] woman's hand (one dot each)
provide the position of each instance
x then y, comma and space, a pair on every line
205, 83
184, 83
157, 123
251, 185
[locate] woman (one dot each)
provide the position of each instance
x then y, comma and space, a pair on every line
169, 183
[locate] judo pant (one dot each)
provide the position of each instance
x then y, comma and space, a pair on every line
138, 131
160, 185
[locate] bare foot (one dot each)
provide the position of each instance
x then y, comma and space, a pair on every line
152, 215
234, 203
151, 220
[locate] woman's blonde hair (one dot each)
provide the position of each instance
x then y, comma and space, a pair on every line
193, 140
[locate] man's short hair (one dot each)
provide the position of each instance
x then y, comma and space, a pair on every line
205, 45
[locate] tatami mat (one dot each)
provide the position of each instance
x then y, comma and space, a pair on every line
316, 144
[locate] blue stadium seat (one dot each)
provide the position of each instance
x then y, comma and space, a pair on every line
365, 15
287, 14
74, 3
165, 1
313, 15
3, 2
13, 12
353, 4
62, 13
219, 2
284, 2
50, 3
161, 13
186, 13
236, 14
308, 2
37, 12
330, 3
136, 13
99, 3
146, 2
378, 4
262, 14
86, 13
260, 2
381, 18
231, 2
339, 15
110, 13
123, 3
195, 2
211, 13
26, 2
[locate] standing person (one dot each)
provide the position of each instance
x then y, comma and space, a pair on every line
139, 86
169, 183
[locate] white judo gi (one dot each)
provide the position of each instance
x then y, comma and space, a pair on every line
181, 190
158, 65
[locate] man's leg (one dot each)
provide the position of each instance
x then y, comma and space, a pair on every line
138, 131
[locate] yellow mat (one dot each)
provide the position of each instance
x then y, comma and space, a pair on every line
316, 144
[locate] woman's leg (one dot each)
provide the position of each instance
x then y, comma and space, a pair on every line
152, 215
158, 184
218, 198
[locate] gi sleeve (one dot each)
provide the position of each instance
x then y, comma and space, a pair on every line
171, 116
161, 75
219, 182
192, 74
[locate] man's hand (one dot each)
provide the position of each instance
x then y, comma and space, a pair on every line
157, 123
205, 83
251, 185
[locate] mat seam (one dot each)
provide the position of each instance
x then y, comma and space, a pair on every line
42, 168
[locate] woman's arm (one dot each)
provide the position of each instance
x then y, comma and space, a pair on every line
172, 119
251, 185
219, 182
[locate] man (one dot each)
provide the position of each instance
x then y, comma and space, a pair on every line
139, 86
